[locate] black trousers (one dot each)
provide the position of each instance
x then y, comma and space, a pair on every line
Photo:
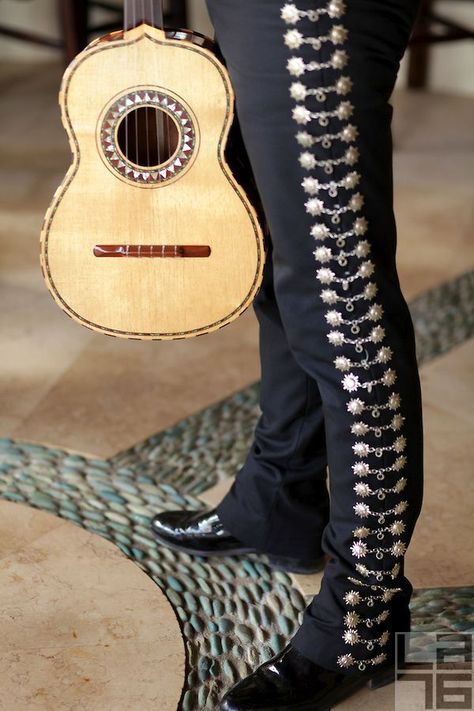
340, 390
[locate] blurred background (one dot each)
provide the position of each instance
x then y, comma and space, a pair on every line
448, 63
74, 404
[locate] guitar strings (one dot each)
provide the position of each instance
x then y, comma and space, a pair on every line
146, 109
126, 25
166, 116
160, 118
158, 112
135, 22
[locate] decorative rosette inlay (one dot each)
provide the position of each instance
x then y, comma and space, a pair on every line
117, 159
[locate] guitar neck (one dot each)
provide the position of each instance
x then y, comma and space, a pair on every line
138, 12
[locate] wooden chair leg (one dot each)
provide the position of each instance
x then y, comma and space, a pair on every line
419, 53
73, 16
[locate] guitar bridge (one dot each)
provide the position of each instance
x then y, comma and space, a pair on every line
160, 251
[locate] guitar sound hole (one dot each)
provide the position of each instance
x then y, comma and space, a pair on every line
148, 136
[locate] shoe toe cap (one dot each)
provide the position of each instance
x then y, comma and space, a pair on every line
252, 692
167, 522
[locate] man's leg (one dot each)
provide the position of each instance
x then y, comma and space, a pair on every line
282, 486
312, 82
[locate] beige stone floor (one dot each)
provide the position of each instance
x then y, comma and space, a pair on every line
82, 626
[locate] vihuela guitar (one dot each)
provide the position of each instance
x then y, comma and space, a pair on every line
150, 235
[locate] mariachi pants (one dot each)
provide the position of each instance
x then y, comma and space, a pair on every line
340, 390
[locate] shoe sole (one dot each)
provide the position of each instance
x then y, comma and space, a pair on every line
276, 563
286, 565
203, 553
380, 679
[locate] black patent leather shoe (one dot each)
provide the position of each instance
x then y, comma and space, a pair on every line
291, 682
202, 533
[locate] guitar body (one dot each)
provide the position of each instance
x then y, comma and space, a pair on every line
145, 247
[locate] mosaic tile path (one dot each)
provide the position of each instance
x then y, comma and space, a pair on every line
444, 317
234, 613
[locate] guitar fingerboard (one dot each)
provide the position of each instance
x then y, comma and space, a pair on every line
135, 12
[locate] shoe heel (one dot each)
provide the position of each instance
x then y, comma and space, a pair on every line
293, 565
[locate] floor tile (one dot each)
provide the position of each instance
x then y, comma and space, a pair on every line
82, 626
117, 392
